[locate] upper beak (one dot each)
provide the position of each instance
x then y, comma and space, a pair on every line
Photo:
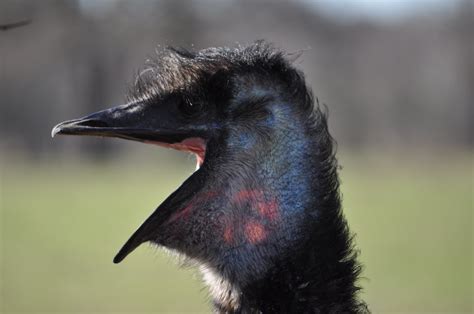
127, 121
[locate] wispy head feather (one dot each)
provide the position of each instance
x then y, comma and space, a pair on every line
174, 69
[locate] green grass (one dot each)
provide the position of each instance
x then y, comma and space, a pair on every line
62, 223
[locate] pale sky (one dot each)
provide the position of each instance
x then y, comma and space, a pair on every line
381, 9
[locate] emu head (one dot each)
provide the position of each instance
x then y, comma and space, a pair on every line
243, 112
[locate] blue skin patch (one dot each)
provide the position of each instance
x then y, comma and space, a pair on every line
242, 140
245, 140
287, 151
286, 161
268, 122
276, 155
296, 186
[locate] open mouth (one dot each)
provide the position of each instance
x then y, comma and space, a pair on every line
178, 138
194, 145
169, 139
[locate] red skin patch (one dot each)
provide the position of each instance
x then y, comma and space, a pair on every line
248, 195
186, 211
229, 234
255, 232
182, 214
267, 209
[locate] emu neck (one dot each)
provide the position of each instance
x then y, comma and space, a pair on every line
301, 257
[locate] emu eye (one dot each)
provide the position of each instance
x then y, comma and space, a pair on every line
190, 108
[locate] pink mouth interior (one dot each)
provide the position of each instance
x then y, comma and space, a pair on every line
194, 145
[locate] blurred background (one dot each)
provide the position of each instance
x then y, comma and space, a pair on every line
397, 76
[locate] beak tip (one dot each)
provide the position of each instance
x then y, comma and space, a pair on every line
55, 131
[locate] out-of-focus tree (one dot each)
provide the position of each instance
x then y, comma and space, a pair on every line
406, 83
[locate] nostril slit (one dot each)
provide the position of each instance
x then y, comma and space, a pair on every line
94, 124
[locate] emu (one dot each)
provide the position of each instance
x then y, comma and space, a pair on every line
261, 215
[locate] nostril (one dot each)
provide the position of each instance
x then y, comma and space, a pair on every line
94, 124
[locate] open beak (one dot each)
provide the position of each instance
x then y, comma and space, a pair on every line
141, 123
